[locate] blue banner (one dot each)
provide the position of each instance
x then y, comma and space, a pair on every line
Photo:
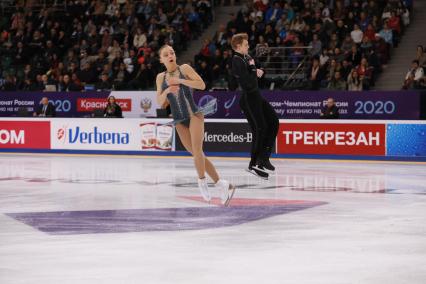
308, 105
406, 140
288, 105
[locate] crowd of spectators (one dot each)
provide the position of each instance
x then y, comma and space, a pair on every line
350, 40
104, 45
94, 44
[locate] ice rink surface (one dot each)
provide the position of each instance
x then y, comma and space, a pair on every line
109, 219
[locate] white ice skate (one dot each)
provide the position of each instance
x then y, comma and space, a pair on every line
204, 189
227, 191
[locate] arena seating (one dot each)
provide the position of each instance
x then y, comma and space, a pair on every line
98, 44
351, 38
103, 45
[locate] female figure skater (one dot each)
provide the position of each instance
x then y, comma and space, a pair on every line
259, 113
174, 86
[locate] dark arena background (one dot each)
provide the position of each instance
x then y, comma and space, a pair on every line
96, 181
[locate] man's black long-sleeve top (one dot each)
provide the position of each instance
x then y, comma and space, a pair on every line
244, 72
330, 112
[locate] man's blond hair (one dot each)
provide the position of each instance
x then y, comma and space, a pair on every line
238, 39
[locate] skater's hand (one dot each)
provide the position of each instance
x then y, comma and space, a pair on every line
174, 81
259, 72
251, 62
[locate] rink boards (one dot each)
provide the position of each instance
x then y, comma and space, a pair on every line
335, 139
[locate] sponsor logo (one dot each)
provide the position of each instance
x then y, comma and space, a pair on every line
90, 104
224, 137
228, 138
205, 100
12, 136
328, 138
146, 104
17, 102
332, 138
228, 104
25, 134
96, 136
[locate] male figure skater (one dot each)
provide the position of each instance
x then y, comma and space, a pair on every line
259, 113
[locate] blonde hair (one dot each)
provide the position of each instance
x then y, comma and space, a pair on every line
238, 39
163, 47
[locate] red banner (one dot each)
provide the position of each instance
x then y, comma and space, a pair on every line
332, 139
25, 134
90, 104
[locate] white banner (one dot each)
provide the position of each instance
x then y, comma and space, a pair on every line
143, 103
111, 134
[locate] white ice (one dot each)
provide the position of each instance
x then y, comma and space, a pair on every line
372, 229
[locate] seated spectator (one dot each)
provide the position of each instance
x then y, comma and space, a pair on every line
347, 45
341, 30
336, 83
315, 75
421, 55
316, 46
298, 24
297, 52
366, 45
104, 83
67, 85
354, 81
87, 74
324, 58
122, 77
9, 84
395, 25
365, 73
112, 110
387, 34
354, 56
217, 65
333, 67
346, 68
206, 73
414, 75
274, 13
382, 49
330, 111
333, 43
45, 109
338, 55
370, 33
357, 34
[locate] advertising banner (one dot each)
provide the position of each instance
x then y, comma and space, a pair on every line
25, 134
308, 105
136, 104
91, 104
17, 103
407, 140
224, 137
111, 134
156, 136
314, 137
332, 139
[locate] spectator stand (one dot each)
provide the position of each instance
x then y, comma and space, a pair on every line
344, 35
78, 45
